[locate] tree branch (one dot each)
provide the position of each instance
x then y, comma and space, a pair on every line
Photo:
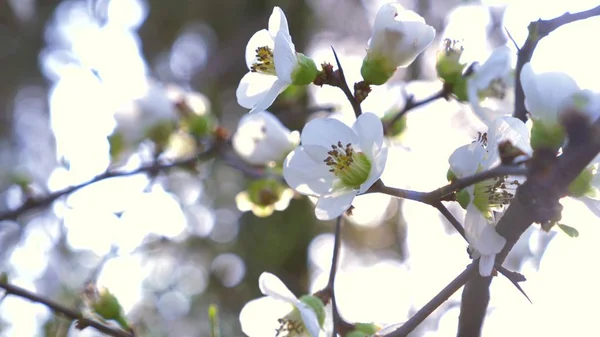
537, 31
155, 167
435, 302
65, 311
411, 103
342, 84
537, 200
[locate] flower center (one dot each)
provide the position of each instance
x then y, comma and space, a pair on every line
290, 326
351, 167
264, 61
494, 194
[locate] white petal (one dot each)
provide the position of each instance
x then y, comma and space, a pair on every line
306, 175
309, 317
544, 93
496, 66
269, 97
278, 22
333, 205
326, 132
262, 38
369, 130
253, 87
261, 138
592, 204
465, 160
481, 234
258, 318
506, 128
486, 264
272, 286
285, 57
377, 167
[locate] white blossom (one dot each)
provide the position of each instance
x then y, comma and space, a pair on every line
491, 79
261, 139
274, 64
487, 198
398, 37
335, 162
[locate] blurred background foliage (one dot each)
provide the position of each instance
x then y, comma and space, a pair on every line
209, 253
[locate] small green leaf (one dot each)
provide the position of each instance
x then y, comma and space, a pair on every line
213, 318
3, 277
570, 231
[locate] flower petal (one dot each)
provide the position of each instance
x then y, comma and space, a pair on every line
506, 128
261, 138
269, 96
377, 167
326, 132
309, 317
253, 87
545, 92
369, 130
465, 160
278, 22
592, 204
262, 38
486, 264
285, 58
272, 286
481, 234
306, 175
331, 206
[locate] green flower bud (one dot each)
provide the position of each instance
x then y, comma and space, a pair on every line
305, 72
108, 307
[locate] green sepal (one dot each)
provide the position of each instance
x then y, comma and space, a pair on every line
316, 305
108, 307
398, 127
463, 198
450, 176
305, 72
546, 135
375, 71
160, 132
582, 185
116, 143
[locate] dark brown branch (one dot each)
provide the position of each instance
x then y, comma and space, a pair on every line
435, 302
537, 31
62, 310
153, 168
537, 200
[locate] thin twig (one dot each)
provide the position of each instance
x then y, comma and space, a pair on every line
339, 325
537, 31
411, 103
342, 84
435, 302
459, 184
40, 202
446, 213
65, 311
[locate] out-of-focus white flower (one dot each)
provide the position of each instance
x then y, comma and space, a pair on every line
263, 197
274, 64
491, 79
261, 139
153, 116
399, 36
335, 162
304, 320
485, 198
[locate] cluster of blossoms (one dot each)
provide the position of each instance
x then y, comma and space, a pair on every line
334, 162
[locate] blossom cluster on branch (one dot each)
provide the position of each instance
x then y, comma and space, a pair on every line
334, 162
